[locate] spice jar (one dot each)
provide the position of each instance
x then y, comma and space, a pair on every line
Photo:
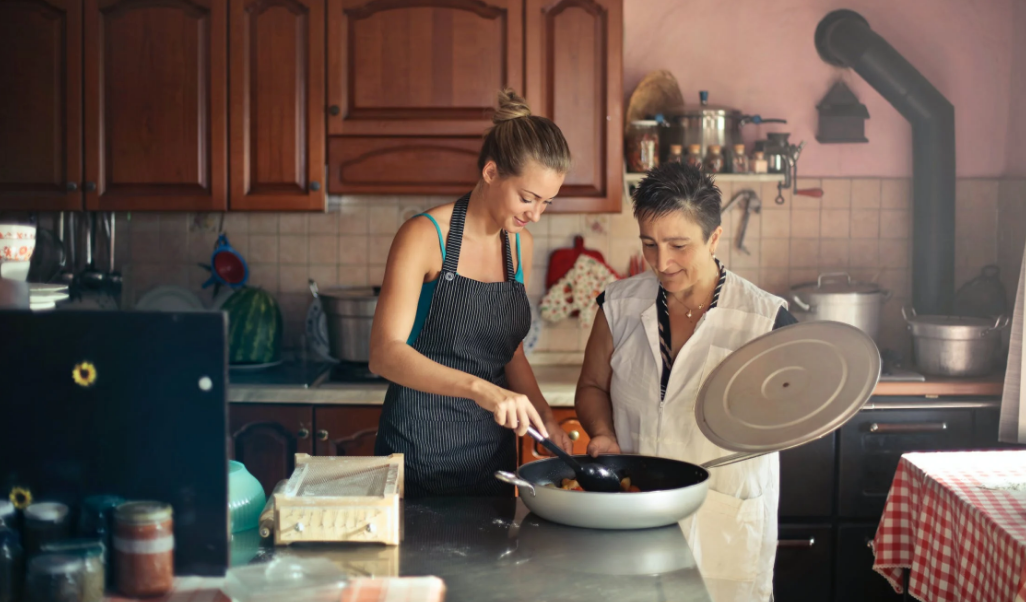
694, 158
45, 522
739, 161
759, 163
642, 146
676, 154
94, 571
54, 578
97, 521
144, 548
12, 565
714, 160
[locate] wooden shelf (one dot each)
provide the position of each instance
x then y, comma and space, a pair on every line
632, 179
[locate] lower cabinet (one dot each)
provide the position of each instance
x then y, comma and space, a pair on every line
853, 560
803, 569
531, 450
346, 430
266, 438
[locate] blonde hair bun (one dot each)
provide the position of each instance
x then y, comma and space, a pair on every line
511, 106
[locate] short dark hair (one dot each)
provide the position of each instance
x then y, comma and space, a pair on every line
679, 187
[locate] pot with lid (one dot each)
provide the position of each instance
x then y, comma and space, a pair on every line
838, 298
954, 345
707, 125
350, 313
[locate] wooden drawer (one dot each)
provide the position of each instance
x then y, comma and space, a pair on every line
803, 569
872, 443
855, 580
807, 478
346, 430
531, 450
402, 165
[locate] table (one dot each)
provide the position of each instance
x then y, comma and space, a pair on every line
957, 521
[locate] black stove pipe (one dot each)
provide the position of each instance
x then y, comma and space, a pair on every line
844, 39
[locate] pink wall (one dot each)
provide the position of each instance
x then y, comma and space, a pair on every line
759, 56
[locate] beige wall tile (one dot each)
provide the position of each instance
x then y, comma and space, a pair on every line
776, 224
353, 219
565, 225
292, 223
864, 253
263, 223
292, 250
353, 250
383, 219
976, 211
620, 252
799, 201
174, 247
144, 246
804, 252
896, 194
294, 278
596, 225
866, 193
236, 222
740, 260
865, 223
173, 222
263, 248
201, 246
350, 275
836, 193
775, 253
751, 275
621, 226
536, 283
768, 195
323, 223
835, 223
375, 275
802, 276
724, 251
377, 250
239, 243
805, 224
774, 280
975, 252
140, 221
542, 249
324, 275
895, 224
833, 254
894, 254
898, 282
540, 227
264, 275
323, 249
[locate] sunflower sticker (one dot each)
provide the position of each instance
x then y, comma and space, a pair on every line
84, 374
20, 497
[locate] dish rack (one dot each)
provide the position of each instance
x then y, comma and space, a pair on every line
340, 499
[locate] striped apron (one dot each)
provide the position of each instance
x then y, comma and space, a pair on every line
452, 446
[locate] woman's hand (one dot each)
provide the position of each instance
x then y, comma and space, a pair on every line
559, 436
511, 410
603, 444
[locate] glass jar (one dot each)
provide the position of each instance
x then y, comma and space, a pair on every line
676, 154
714, 160
694, 158
642, 146
8, 515
144, 549
94, 571
97, 521
12, 565
759, 163
739, 160
45, 522
54, 578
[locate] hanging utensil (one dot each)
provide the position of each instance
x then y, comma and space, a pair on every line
752, 205
67, 235
114, 279
91, 277
788, 155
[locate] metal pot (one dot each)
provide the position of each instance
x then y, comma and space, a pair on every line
708, 124
837, 298
954, 345
350, 313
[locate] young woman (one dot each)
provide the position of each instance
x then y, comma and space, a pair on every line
453, 313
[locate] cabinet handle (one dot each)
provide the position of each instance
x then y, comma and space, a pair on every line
574, 435
303, 433
322, 435
883, 428
334, 110
315, 186
90, 186
71, 186
796, 543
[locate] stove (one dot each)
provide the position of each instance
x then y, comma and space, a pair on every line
353, 373
293, 373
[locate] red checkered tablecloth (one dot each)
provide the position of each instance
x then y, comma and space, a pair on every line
957, 520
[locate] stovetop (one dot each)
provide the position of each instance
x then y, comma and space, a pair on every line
305, 374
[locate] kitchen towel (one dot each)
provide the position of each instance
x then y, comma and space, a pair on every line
1012, 428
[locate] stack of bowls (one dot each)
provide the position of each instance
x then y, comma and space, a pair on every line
17, 242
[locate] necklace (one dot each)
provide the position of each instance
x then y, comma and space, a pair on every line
690, 310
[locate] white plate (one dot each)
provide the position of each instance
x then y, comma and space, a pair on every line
36, 288
221, 297
169, 298
254, 367
317, 331
52, 297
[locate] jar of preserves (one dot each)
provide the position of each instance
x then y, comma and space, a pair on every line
97, 521
642, 146
12, 565
54, 578
739, 160
759, 163
144, 547
714, 160
45, 522
94, 569
694, 158
676, 154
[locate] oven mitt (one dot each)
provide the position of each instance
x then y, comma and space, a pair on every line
576, 291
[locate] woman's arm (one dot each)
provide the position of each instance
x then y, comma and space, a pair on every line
594, 407
409, 263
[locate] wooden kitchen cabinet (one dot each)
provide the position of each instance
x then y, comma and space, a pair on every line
531, 450
808, 479
856, 581
276, 104
267, 437
41, 105
802, 570
346, 430
574, 70
156, 119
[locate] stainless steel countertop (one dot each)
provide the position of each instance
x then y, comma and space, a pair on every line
492, 549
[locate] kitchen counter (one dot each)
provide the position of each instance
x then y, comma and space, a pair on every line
558, 384
492, 549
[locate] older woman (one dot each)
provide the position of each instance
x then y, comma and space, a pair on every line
658, 335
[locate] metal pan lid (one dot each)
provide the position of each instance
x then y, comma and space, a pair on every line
788, 387
839, 283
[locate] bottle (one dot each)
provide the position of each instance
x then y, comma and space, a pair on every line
642, 146
55, 578
739, 161
694, 158
676, 154
714, 160
759, 163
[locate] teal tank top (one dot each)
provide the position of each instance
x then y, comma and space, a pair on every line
428, 289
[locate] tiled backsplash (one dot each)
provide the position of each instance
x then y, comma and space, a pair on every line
862, 226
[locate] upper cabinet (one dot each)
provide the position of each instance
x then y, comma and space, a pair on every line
277, 104
41, 105
156, 86
573, 52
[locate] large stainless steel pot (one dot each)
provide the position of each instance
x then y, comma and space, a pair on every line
350, 313
954, 345
837, 298
708, 124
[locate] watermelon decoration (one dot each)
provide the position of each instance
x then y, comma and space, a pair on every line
254, 327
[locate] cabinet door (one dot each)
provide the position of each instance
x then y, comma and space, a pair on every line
41, 105
803, 568
347, 430
266, 439
856, 581
807, 479
420, 67
531, 450
277, 104
156, 82
574, 58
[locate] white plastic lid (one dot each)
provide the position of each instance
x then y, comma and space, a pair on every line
52, 512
